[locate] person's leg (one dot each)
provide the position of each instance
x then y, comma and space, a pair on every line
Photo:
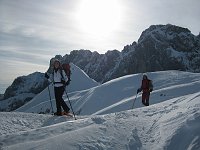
147, 99
63, 104
143, 98
57, 97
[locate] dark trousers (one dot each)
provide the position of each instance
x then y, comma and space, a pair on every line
145, 98
59, 100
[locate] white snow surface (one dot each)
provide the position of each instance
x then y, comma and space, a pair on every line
171, 122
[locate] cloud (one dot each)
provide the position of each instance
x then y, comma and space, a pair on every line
24, 56
40, 24
144, 13
16, 63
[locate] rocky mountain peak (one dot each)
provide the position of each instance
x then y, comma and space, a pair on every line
178, 38
22, 90
164, 31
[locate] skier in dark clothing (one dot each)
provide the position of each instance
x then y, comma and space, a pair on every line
146, 88
60, 81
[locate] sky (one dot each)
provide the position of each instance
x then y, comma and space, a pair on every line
34, 31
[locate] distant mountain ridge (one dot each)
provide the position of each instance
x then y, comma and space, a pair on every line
22, 90
160, 47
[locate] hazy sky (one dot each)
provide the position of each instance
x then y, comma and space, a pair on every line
33, 31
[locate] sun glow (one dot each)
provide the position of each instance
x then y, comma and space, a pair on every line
99, 17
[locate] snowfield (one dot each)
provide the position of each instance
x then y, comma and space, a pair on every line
119, 94
106, 120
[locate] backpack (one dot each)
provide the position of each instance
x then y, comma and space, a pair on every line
66, 68
150, 85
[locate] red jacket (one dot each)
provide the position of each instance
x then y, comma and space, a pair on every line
145, 85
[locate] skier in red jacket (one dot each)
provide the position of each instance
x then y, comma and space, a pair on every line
146, 88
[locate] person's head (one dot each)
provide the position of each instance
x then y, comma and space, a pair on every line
56, 64
145, 77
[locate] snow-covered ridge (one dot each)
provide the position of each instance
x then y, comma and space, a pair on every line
170, 32
170, 122
22, 90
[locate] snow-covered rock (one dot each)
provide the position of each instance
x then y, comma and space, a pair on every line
22, 90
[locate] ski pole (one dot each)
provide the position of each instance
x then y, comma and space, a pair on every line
134, 100
50, 100
70, 104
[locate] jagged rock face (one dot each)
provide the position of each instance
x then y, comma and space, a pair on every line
169, 47
178, 38
1, 97
160, 47
94, 64
32, 83
22, 90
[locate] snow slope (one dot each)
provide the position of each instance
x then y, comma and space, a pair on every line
79, 81
173, 125
170, 122
15, 122
119, 94
122, 92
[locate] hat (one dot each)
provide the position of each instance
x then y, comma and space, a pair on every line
145, 76
56, 60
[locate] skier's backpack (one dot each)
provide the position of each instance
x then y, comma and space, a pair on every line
150, 85
66, 68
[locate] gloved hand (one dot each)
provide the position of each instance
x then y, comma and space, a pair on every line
46, 75
150, 90
68, 82
138, 90
63, 82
